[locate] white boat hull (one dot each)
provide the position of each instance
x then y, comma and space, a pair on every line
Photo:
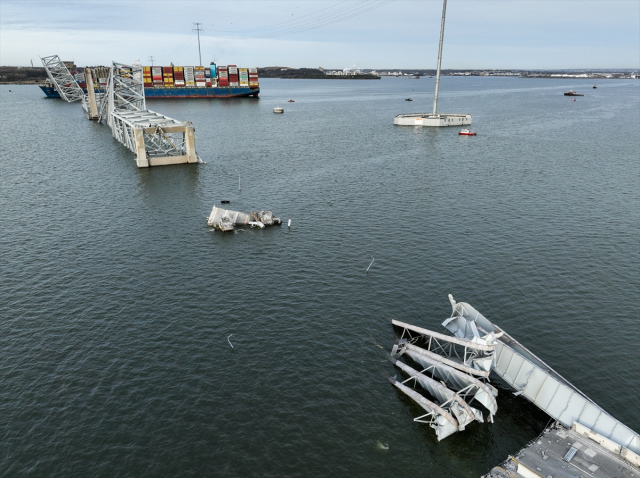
428, 119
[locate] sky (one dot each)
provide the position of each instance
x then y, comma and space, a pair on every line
334, 34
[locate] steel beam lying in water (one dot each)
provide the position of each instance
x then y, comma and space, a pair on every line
456, 379
436, 417
477, 355
448, 399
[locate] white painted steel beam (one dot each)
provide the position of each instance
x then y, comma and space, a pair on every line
63, 81
437, 418
448, 399
465, 343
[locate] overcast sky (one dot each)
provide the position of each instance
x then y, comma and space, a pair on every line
507, 34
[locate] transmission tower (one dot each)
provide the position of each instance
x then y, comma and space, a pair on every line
198, 29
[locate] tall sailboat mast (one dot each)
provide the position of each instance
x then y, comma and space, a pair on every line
434, 118
435, 96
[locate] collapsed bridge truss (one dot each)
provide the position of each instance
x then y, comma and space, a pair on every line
155, 139
62, 79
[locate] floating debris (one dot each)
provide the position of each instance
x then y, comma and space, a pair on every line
382, 446
225, 220
372, 259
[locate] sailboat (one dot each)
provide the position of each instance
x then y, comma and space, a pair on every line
434, 118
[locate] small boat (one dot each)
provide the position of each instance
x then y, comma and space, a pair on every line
572, 93
594, 87
431, 77
291, 101
408, 99
278, 109
466, 132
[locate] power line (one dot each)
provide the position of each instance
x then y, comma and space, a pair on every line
322, 20
151, 59
198, 29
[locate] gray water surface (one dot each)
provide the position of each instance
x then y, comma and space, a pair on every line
116, 300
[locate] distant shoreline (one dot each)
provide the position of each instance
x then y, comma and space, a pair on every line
368, 77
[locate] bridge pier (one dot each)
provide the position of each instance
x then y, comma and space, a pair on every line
92, 107
145, 160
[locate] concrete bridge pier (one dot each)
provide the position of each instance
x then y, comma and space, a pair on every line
144, 160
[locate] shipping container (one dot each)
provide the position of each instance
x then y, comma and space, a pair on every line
209, 81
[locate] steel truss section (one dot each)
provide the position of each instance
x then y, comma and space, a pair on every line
471, 356
160, 139
62, 80
125, 88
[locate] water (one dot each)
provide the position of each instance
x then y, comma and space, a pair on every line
117, 300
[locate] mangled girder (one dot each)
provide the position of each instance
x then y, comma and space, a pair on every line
535, 380
436, 417
448, 399
478, 351
452, 377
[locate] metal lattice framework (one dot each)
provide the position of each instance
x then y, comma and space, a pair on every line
148, 134
125, 89
156, 139
62, 80
159, 139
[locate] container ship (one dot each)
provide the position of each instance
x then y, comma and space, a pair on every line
183, 82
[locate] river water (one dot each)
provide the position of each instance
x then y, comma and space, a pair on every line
117, 300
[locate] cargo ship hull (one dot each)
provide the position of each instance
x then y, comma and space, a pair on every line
216, 92
187, 92
50, 91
